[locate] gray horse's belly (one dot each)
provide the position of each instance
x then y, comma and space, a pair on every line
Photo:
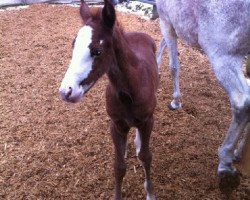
189, 37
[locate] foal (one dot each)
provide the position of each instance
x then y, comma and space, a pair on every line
129, 61
222, 30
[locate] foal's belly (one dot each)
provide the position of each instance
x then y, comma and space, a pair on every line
132, 115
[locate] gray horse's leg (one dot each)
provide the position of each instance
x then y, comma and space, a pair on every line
248, 65
228, 70
171, 42
163, 45
238, 153
229, 178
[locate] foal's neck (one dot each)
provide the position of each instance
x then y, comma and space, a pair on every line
125, 62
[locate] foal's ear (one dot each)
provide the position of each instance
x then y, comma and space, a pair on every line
108, 14
84, 11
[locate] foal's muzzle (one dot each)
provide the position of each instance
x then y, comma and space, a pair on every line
74, 94
71, 94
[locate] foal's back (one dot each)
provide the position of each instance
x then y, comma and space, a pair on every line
144, 48
141, 42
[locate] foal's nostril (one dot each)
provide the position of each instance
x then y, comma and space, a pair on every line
68, 93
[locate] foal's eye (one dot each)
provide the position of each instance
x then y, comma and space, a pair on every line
95, 52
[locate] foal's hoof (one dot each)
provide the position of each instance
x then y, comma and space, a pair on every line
228, 181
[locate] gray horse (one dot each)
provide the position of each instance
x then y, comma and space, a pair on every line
222, 30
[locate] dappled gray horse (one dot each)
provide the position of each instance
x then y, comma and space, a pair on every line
222, 30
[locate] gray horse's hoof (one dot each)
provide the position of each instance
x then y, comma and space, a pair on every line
174, 106
228, 181
170, 107
237, 159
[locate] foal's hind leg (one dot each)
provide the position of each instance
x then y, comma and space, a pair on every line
145, 156
228, 70
119, 133
171, 42
137, 142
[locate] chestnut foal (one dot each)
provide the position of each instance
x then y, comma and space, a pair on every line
101, 46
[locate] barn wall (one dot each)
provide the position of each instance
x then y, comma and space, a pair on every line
23, 2
4, 3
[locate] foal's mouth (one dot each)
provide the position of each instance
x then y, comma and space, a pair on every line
87, 87
75, 95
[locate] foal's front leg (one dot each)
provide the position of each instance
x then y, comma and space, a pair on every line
144, 154
119, 131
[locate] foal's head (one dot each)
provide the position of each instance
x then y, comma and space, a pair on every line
92, 51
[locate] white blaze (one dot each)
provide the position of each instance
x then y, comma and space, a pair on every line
80, 66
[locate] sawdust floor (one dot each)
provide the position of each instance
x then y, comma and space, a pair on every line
53, 150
